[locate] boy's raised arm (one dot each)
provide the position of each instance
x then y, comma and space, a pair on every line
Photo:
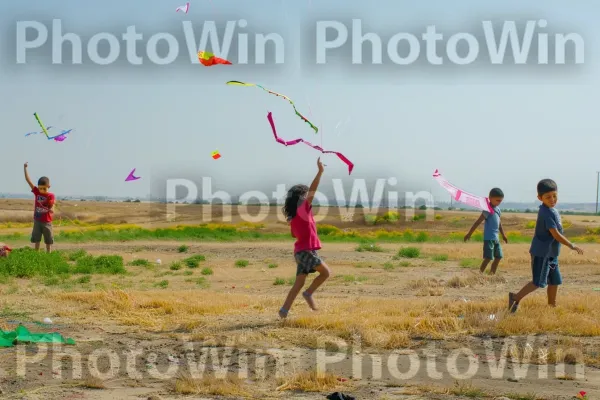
475, 225
315, 183
31, 185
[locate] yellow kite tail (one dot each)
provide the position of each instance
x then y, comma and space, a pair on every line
41, 125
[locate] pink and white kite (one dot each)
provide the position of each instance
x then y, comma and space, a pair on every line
481, 203
296, 141
131, 177
185, 8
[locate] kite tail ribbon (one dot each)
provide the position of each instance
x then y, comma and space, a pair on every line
319, 148
41, 125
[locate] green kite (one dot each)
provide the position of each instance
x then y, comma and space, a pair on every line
22, 335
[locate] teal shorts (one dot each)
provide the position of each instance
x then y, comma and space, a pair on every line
492, 250
545, 271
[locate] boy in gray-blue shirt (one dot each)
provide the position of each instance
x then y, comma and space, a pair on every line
545, 247
492, 251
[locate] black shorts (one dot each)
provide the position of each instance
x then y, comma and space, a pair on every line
42, 229
307, 262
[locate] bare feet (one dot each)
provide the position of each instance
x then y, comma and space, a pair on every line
309, 300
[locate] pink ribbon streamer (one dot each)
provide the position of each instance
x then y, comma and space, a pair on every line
185, 8
481, 203
296, 141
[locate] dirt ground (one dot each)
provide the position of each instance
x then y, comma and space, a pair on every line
405, 321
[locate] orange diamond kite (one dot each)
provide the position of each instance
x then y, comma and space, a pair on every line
208, 59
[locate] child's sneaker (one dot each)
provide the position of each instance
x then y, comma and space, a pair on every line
283, 313
311, 303
512, 303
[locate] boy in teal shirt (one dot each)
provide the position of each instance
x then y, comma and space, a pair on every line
492, 251
545, 248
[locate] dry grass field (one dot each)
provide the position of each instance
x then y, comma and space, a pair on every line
405, 315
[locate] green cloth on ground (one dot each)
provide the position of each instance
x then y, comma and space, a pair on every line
22, 335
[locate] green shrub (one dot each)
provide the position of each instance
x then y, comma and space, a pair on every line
440, 257
84, 279
176, 266
273, 266
27, 263
140, 262
409, 252
242, 263
162, 284
111, 265
202, 282
279, 281
207, 271
368, 247
183, 248
470, 263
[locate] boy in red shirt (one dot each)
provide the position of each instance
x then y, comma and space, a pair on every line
42, 215
298, 211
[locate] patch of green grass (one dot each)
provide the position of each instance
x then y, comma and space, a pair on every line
279, 281
528, 396
110, 265
162, 284
176, 266
242, 263
409, 252
84, 279
470, 263
291, 281
76, 255
202, 282
353, 278
183, 248
140, 262
388, 266
271, 266
232, 232
52, 281
368, 247
405, 264
188, 272
419, 217
207, 271
28, 263
194, 261
440, 257
9, 313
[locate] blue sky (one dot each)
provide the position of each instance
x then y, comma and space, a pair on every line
482, 125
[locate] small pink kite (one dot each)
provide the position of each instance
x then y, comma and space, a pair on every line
185, 8
131, 177
481, 203
296, 141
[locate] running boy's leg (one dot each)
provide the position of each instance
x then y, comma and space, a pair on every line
497, 257
552, 292
484, 265
300, 280
540, 270
554, 280
324, 273
488, 254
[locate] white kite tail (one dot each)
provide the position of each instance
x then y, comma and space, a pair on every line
479, 202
